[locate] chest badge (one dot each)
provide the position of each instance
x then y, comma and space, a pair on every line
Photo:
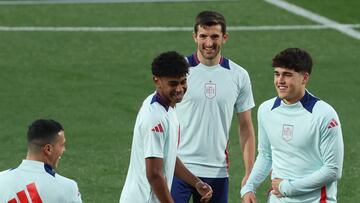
210, 90
287, 132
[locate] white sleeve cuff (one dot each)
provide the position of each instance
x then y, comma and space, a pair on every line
284, 188
245, 190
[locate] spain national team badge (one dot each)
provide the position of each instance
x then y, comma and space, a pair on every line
210, 90
287, 132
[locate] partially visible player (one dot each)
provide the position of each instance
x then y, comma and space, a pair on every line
218, 88
153, 161
35, 179
300, 138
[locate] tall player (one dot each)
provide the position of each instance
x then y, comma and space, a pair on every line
300, 138
153, 161
217, 88
35, 179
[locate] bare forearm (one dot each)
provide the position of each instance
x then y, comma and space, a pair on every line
157, 180
160, 188
184, 174
247, 144
247, 141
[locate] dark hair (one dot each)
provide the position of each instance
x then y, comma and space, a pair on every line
293, 58
170, 64
43, 131
210, 18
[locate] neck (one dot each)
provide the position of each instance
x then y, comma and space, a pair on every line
163, 100
36, 157
295, 99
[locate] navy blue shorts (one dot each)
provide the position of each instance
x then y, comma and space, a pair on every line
181, 191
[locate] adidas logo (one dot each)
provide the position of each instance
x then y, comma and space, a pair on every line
158, 128
23, 198
333, 123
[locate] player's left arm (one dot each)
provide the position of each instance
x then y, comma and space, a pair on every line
247, 141
332, 154
184, 174
76, 194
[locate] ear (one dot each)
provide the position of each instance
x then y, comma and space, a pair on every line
226, 37
194, 35
47, 149
306, 78
157, 81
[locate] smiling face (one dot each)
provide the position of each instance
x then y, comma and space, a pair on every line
289, 84
209, 40
171, 89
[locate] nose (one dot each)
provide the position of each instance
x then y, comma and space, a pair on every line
281, 79
179, 88
208, 42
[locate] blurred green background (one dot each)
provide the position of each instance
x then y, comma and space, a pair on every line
95, 82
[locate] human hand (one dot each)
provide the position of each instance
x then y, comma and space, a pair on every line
275, 183
204, 190
249, 197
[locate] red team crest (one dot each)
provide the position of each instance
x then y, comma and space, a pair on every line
210, 90
287, 132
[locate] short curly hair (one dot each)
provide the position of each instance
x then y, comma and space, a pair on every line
294, 58
170, 64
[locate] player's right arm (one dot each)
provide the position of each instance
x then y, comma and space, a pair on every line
262, 166
157, 181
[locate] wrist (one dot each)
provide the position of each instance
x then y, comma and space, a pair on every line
245, 190
198, 183
248, 193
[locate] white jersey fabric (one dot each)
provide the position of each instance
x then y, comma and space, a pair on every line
205, 114
156, 134
36, 182
301, 143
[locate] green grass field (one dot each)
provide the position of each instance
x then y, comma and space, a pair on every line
95, 82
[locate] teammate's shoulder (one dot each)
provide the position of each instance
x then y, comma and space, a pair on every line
152, 104
268, 104
4, 173
235, 66
7, 172
152, 109
7, 177
322, 108
70, 187
66, 182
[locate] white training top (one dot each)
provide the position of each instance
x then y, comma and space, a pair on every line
206, 112
36, 182
301, 143
156, 134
